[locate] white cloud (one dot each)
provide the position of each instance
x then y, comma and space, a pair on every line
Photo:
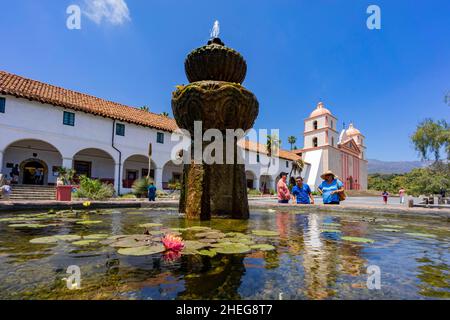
113, 11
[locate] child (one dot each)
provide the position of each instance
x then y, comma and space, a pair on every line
385, 195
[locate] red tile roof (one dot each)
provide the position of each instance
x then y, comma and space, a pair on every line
14, 85
20, 87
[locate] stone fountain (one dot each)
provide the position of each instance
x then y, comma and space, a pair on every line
215, 97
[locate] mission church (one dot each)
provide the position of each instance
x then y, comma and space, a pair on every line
44, 127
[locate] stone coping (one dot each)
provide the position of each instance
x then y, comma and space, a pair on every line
16, 206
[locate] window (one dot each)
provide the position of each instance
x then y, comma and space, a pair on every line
315, 125
160, 137
69, 118
314, 141
120, 129
287, 164
257, 158
332, 141
2, 105
332, 124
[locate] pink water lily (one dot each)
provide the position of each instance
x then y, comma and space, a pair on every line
172, 242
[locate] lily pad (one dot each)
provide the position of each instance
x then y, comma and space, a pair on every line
263, 247
198, 228
233, 248
56, 238
389, 230
417, 234
178, 229
141, 251
330, 231
150, 225
88, 222
391, 226
191, 251
210, 253
358, 239
84, 242
194, 245
96, 236
331, 224
135, 212
31, 225
265, 233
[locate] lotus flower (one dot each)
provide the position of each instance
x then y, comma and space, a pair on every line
87, 203
172, 242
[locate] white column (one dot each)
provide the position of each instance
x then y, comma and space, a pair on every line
1, 162
158, 178
67, 163
256, 183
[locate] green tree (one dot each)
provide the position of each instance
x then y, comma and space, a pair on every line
431, 137
292, 140
145, 108
165, 114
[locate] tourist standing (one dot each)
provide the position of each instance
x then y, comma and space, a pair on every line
330, 188
385, 196
15, 174
282, 190
302, 192
38, 176
151, 192
401, 193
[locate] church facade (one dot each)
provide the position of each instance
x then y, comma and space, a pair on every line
325, 148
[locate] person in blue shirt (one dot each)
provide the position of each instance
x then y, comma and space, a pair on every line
330, 188
151, 192
302, 192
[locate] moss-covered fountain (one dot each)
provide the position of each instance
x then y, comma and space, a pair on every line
215, 97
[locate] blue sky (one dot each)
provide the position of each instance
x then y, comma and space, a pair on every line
298, 53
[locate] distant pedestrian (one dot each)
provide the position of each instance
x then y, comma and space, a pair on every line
282, 190
6, 191
442, 192
385, 196
402, 193
15, 174
151, 192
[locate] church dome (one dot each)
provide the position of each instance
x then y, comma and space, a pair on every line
352, 131
319, 111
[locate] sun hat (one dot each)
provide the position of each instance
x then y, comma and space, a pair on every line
326, 173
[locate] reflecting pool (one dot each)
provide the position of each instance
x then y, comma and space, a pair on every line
274, 255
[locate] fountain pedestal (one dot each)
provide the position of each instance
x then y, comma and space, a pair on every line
216, 98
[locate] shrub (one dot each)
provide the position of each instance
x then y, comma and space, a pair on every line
140, 187
94, 189
253, 192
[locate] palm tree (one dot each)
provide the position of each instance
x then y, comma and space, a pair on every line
145, 108
297, 166
272, 144
165, 114
292, 140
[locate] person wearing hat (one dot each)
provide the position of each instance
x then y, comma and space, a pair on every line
330, 188
282, 190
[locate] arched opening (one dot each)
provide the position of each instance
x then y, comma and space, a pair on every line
332, 141
251, 179
314, 142
95, 164
136, 167
266, 184
33, 171
315, 126
31, 162
172, 175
